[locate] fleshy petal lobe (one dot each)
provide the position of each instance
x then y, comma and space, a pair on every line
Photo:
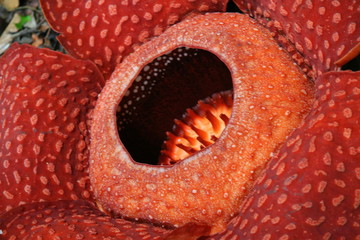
106, 31
71, 220
325, 33
46, 100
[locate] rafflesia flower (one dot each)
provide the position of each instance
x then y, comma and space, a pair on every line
270, 152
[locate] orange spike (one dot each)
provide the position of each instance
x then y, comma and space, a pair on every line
206, 124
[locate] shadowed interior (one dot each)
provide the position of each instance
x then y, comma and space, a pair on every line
353, 65
162, 92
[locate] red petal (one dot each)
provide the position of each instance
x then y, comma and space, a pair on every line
106, 31
326, 33
46, 99
312, 189
71, 220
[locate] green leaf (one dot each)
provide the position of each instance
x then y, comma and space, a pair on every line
23, 21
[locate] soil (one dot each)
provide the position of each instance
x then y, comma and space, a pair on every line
25, 23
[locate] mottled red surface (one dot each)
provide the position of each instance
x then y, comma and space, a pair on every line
71, 220
107, 31
46, 99
325, 33
311, 189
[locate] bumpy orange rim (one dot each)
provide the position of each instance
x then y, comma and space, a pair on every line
221, 173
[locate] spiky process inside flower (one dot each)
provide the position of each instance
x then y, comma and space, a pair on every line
198, 128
